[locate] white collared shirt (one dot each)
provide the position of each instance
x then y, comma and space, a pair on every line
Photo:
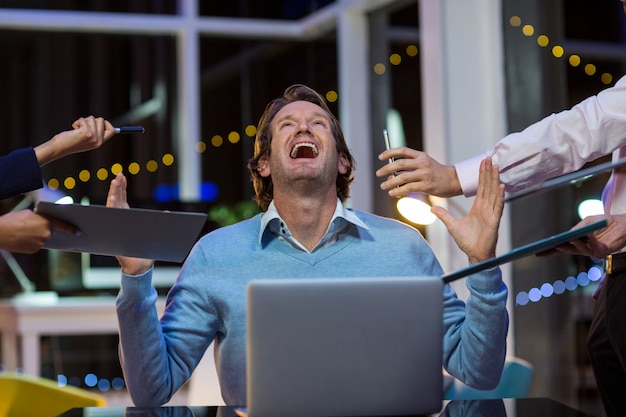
338, 226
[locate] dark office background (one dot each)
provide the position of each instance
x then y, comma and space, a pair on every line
48, 79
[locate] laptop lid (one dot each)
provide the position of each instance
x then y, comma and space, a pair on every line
344, 347
141, 233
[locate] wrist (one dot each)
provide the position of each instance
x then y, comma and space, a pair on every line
455, 183
46, 152
478, 259
135, 268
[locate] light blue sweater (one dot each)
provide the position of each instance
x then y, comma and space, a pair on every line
208, 301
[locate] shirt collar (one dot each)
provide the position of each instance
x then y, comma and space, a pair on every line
340, 212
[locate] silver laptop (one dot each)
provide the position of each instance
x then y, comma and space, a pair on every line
344, 347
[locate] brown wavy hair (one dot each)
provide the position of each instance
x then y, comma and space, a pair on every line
263, 187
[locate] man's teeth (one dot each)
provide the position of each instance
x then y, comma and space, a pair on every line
304, 150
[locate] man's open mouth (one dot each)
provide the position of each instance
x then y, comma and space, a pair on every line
304, 150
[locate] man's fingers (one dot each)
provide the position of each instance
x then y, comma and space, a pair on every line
117, 192
490, 190
109, 130
485, 178
59, 225
78, 123
443, 215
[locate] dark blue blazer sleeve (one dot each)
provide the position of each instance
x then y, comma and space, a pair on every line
19, 173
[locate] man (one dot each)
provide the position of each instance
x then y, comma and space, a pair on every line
301, 171
559, 144
25, 231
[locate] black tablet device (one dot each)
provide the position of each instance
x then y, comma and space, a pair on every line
139, 233
533, 248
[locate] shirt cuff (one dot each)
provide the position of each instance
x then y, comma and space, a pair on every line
138, 284
488, 281
467, 171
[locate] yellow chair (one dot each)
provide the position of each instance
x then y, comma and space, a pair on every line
27, 396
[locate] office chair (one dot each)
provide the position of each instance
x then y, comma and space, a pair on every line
514, 383
25, 396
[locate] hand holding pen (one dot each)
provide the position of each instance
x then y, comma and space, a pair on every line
87, 133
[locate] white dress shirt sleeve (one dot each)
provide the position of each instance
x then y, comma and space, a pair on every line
559, 144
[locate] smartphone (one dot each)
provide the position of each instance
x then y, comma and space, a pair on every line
388, 145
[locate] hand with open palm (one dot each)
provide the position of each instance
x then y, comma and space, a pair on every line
477, 232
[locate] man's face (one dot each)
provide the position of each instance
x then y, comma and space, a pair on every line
624, 4
303, 146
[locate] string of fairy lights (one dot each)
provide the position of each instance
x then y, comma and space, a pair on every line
151, 166
216, 141
411, 51
234, 137
558, 51
594, 273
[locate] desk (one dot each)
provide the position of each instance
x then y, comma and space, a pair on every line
523, 407
29, 319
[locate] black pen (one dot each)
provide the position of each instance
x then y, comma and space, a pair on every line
129, 129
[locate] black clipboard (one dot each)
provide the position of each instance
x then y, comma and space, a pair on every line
139, 233
533, 248
568, 179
